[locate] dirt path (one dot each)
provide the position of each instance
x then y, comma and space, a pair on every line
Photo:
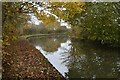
22, 60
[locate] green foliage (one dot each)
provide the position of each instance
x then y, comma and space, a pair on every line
62, 10
12, 19
46, 29
10, 12
94, 21
100, 22
66, 10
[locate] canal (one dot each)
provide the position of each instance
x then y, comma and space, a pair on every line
78, 59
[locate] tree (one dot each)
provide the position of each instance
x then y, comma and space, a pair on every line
100, 22
12, 19
14, 15
66, 10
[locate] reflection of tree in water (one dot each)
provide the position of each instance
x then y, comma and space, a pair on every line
49, 44
87, 60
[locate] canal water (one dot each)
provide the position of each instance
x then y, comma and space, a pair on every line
78, 59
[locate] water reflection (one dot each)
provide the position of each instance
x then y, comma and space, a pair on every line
50, 43
88, 60
52, 48
79, 59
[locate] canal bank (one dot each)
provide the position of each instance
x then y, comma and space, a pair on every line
22, 60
